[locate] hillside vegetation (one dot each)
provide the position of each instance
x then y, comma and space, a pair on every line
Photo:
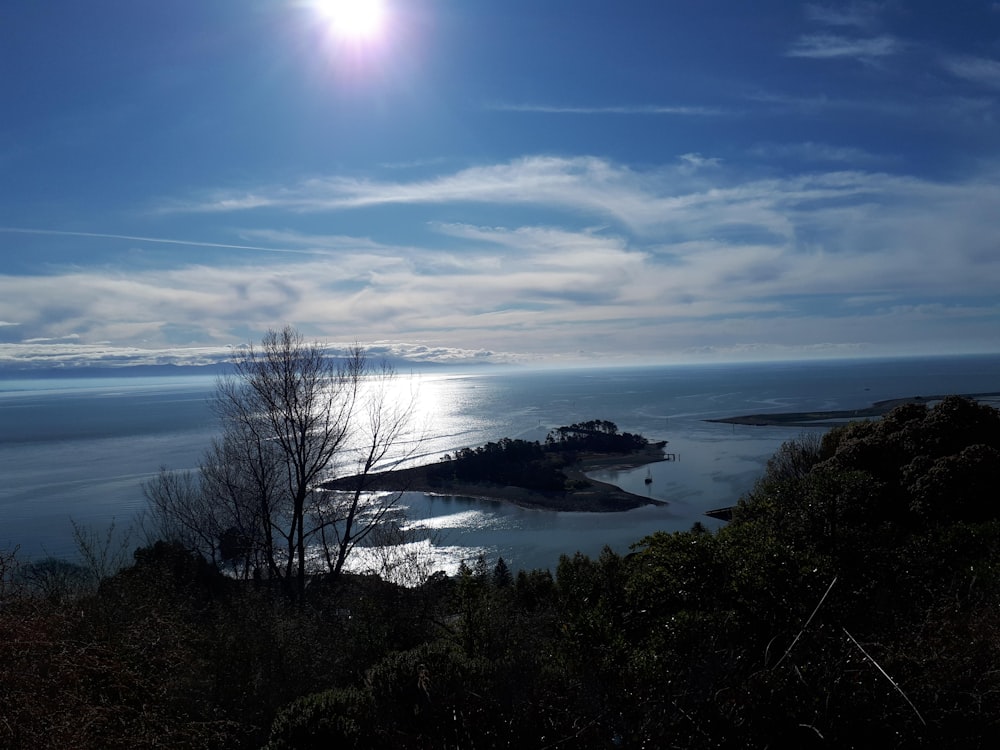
853, 601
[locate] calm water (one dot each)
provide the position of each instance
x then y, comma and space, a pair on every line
80, 449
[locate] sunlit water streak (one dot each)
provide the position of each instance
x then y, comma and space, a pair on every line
80, 449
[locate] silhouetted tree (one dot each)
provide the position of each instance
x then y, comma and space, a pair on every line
501, 574
291, 418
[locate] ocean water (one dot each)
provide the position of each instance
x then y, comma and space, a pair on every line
80, 449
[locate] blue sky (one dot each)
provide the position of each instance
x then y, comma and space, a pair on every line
527, 180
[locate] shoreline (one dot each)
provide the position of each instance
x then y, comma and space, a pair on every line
839, 416
596, 497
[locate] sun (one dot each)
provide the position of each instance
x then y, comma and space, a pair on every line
355, 20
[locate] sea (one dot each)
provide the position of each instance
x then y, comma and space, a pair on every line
78, 450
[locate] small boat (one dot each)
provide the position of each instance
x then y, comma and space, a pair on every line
649, 477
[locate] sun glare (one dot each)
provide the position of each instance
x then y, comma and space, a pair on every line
354, 19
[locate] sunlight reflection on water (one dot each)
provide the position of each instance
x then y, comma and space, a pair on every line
469, 519
81, 449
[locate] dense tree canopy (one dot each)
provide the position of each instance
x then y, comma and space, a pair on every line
594, 435
534, 465
506, 462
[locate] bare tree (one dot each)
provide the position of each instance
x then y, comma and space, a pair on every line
291, 419
102, 554
11, 587
242, 478
178, 510
382, 423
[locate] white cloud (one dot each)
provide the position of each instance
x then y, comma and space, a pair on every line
690, 258
980, 70
868, 300
581, 183
831, 46
859, 15
641, 201
697, 161
46, 340
649, 109
42, 354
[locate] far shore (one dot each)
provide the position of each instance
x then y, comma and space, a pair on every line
829, 418
595, 497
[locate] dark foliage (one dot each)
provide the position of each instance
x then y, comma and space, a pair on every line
597, 435
532, 465
507, 462
854, 601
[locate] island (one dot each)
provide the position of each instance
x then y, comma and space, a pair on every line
545, 476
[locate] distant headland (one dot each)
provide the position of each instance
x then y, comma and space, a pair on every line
544, 476
821, 418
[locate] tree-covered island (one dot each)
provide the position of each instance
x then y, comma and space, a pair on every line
549, 475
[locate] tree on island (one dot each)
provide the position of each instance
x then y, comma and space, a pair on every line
597, 435
536, 466
291, 418
506, 462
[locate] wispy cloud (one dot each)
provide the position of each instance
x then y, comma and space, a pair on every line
832, 46
153, 240
666, 257
415, 163
591, 186
675, 109
850, 19
580, 183
981, 70
47, 340
810, 151
859, 15
697, 161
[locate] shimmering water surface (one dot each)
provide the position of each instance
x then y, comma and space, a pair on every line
80, 448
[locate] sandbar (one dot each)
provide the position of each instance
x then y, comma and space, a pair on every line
829, 418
